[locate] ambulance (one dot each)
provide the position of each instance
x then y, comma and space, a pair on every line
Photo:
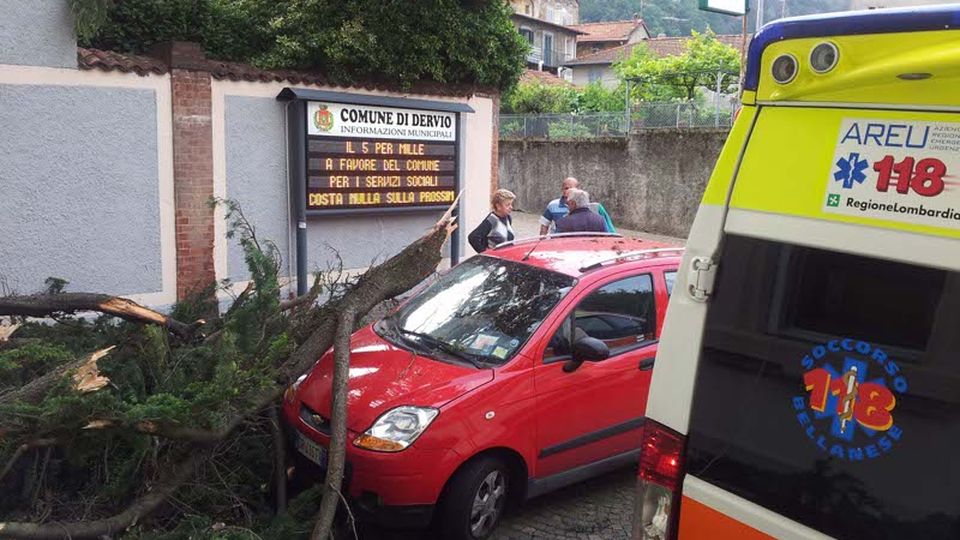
807, 383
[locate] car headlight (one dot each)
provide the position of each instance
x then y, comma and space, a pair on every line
397, 429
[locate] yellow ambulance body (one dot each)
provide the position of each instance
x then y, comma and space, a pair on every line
807, 383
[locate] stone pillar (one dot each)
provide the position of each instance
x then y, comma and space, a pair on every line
192, 164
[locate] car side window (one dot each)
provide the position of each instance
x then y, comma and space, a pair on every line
669, 277
622, 314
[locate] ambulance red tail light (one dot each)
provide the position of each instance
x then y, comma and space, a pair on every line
658, 484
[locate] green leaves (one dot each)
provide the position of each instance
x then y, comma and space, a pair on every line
539, 98
679, 77
89, 16
396, 42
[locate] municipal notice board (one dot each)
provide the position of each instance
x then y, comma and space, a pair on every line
379, 158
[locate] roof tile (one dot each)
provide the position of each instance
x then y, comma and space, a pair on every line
126, 63
95, 59
606, 31
660, 46
543, 77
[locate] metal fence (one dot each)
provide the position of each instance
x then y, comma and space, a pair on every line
647, 115
562, 126
684, 114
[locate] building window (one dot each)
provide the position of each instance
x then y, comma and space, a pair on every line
549, 56
595, 74
527, 34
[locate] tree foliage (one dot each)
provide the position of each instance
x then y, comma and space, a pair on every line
538, 98
595, 97
391, 41
679, 77
93, 445
100, 457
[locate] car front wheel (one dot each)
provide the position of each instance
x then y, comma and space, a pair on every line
475, 500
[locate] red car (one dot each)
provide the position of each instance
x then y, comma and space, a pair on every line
517, 372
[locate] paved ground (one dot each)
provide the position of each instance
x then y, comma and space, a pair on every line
597, 509
528, 225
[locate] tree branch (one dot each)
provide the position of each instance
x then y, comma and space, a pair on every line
279, 460
394, 276
112, 525
22, 449
34, 391
338, 428
45, 305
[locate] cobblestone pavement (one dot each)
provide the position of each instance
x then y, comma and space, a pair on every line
597, 509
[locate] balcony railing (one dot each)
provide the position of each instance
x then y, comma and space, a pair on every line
549, 57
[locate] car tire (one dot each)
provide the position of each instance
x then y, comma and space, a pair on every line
475, 500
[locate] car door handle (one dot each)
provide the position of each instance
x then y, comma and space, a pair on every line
647, 363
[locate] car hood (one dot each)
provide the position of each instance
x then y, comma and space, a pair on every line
384, 376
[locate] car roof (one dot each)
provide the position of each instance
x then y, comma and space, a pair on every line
579, 254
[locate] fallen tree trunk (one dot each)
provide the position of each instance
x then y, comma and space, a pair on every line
45, 305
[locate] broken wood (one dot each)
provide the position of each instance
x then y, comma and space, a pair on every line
87, 377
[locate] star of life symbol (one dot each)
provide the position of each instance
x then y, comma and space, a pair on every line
849, 412
850, 170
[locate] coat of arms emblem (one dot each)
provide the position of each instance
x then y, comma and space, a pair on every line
323, 119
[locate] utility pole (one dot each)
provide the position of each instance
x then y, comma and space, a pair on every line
759, 16
626, 108
716, 101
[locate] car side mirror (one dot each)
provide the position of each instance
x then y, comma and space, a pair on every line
586, 349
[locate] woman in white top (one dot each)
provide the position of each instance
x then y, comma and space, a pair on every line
497, 227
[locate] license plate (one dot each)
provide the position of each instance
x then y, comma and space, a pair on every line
311, 450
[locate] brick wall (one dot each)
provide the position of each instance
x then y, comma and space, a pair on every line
192, 170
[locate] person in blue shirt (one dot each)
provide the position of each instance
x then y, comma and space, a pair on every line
558, 208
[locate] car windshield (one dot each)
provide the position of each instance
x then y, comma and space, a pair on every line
480, 312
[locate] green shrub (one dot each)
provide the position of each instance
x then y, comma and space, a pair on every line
595, 97
399, 42
571, 130
539, 98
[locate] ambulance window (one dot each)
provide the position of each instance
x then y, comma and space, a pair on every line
884, 302
828, 390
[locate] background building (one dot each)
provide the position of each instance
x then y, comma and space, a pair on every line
599, 66
599, 36
546, 26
